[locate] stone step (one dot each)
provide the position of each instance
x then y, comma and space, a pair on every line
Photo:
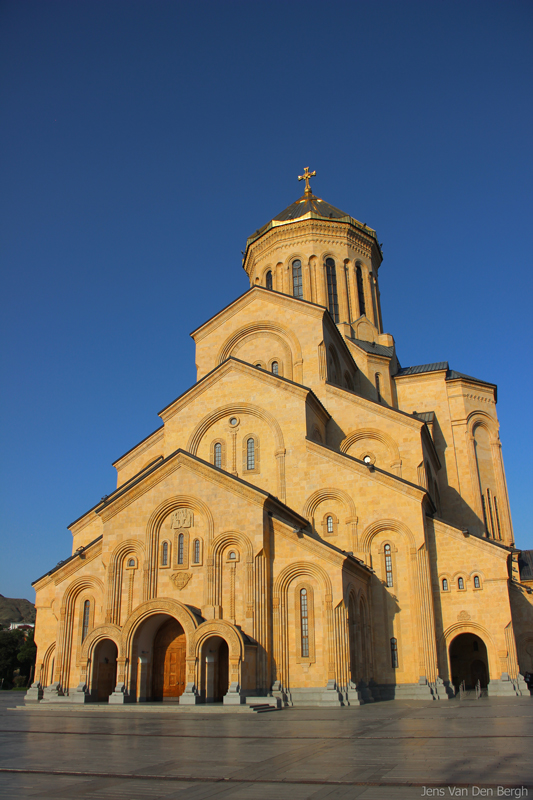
260, 708
259, 700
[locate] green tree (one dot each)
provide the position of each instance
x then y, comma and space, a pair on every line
10, 644
27, 653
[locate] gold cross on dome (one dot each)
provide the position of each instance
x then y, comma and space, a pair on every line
305, 177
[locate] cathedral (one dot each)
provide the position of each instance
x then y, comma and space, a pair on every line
311, 524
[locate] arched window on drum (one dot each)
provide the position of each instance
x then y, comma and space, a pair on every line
297, 284
333, 302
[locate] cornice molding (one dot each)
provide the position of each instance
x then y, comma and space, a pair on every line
378, 357
233, 364
319, 549
58, 574
78, 563
252, 294
380, 410
181, 460
484, 544
81, 523
321, 231
140, 448
385, 478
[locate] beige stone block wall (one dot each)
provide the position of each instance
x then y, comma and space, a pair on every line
486, 611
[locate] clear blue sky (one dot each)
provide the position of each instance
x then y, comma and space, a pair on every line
142, 142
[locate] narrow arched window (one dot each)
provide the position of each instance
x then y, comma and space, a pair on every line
378, 387
304, 622
268, 281
197, 551
497, 514
489, 503
360, 290
460, 584
275, 368
181, 543
477, 583
444, 585
250, 454
388, 564
333, 303
297, 287
86, 615
218, 455
394, 652
484, 507
131, 562
329, 523
164, 555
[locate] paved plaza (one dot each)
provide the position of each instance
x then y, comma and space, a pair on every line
383, 751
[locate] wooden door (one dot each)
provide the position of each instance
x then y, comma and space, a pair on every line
169, 661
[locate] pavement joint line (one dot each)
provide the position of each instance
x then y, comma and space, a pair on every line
269, 738
209, 779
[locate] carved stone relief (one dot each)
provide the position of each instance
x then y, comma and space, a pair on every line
180, 579
182, 518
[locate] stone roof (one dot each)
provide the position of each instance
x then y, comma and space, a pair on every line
308, 206
425, 416
373, 347
434, 367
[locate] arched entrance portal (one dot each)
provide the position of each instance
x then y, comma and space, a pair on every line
168, 674
215, 669
104, 669
469, 661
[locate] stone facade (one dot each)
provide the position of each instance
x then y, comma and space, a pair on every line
311, 522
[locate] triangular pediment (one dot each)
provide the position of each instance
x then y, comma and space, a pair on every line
258, 294
206, 472
233, 366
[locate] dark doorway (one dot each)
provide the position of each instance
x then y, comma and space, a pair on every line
105, 669
479, 673
215, 669
168, 676
223, 670
469, 661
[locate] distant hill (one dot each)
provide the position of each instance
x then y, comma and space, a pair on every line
14, 610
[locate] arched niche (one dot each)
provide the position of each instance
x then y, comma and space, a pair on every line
284, 337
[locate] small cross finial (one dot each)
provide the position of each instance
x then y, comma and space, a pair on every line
305, 177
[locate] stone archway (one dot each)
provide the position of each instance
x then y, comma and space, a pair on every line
104, 677
469, 662
207, 644
214, 669
139, 637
